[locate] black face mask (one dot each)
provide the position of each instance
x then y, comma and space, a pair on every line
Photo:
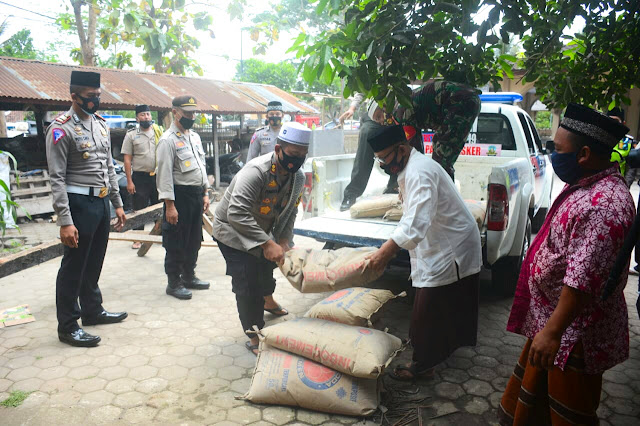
275, 121
146, 124
85, 101
186, 123
291, 163
394, 166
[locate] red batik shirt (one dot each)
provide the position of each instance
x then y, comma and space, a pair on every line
577, 247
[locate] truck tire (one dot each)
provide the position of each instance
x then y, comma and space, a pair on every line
538, 220
505, 272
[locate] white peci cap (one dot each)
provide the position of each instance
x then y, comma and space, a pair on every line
295, 133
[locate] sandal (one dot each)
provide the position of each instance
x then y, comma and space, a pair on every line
413, 370
277, 311
136, 245
252, 348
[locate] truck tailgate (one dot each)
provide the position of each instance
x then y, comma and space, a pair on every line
341, 228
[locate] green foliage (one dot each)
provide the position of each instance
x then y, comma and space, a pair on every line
15, 399
7, 203
19, 45
282, 75
543, 120
381, 46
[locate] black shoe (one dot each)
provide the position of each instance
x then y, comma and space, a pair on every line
194, 283
176, 289
79, 338
104, 317
347, 203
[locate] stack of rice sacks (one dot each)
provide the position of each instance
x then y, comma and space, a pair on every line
331, 360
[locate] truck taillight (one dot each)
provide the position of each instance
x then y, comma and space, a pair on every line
498, 208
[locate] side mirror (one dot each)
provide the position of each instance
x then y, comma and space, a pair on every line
550, 147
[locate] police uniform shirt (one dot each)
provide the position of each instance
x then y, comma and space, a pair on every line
141, 145
180, 161
79, 153
263, 142
252, 205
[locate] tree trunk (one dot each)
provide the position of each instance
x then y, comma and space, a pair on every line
3, 125
88, 38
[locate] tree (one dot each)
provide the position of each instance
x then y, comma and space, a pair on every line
161, 32
19, 45
429, 38
282, 75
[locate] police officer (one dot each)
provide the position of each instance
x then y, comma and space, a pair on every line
263, 140
139, 146
253, 223
82, 175
182, 185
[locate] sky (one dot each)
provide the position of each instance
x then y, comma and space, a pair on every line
218, 57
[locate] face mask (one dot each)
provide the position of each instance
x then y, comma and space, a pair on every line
146, 124
566, 166
275, 121
186, 123
394, 166
86, 101
291, 163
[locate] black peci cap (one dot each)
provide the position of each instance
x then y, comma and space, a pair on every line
594, 126
385, 137
85, 78
274, 106
142, 108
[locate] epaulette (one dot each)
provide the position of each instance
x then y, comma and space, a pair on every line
63, 118
100, 117
262, 128
131, 129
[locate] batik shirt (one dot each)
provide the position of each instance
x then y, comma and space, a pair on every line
581, 239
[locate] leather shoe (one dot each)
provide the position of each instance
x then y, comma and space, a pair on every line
176, 288
104, 317
194, 283
79, 338
347, 203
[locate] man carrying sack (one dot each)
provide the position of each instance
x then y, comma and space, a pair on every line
573, 336
444, 244
253, 224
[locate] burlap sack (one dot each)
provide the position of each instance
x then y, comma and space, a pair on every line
478, 210
356, 351
317, 271
374, 206
353, 306
286, 379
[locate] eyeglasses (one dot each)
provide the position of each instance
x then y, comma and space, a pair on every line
383, 160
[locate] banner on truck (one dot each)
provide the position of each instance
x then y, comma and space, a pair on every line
470, 148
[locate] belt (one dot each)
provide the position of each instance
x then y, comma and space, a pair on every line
153, 173
88, 190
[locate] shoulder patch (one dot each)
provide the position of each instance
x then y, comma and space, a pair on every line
58, 134
100, 117
63, 118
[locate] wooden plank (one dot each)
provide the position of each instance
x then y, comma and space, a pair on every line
17, 193
157, 230
142, 217
207, 224
153, 239
30, 257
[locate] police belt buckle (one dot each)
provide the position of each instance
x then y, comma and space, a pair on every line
153, 173
103, 192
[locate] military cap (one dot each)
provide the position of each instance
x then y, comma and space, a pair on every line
274, 106
185, 102
85, 78
295, 133
142, 108
385, 137
592, 125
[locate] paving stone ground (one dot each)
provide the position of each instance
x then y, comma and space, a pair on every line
184, 362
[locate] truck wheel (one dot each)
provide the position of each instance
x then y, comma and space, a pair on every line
505, 272
538, 220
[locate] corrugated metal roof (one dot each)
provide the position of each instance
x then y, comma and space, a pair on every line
42, 83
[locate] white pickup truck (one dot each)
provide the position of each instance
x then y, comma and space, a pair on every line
503, 164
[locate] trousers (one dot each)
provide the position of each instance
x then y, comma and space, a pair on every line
182, 241
146, 191
80, 267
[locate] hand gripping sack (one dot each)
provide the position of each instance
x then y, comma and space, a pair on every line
286, 379
317, 271
356, 351
478, 210
374, 206
353, 306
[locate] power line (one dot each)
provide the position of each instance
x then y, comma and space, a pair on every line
27, 10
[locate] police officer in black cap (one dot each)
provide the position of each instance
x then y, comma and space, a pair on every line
182, 184
82, 175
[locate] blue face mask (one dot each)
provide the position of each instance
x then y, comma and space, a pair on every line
566, 166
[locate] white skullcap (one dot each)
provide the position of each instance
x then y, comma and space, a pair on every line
371, 108
295, 133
